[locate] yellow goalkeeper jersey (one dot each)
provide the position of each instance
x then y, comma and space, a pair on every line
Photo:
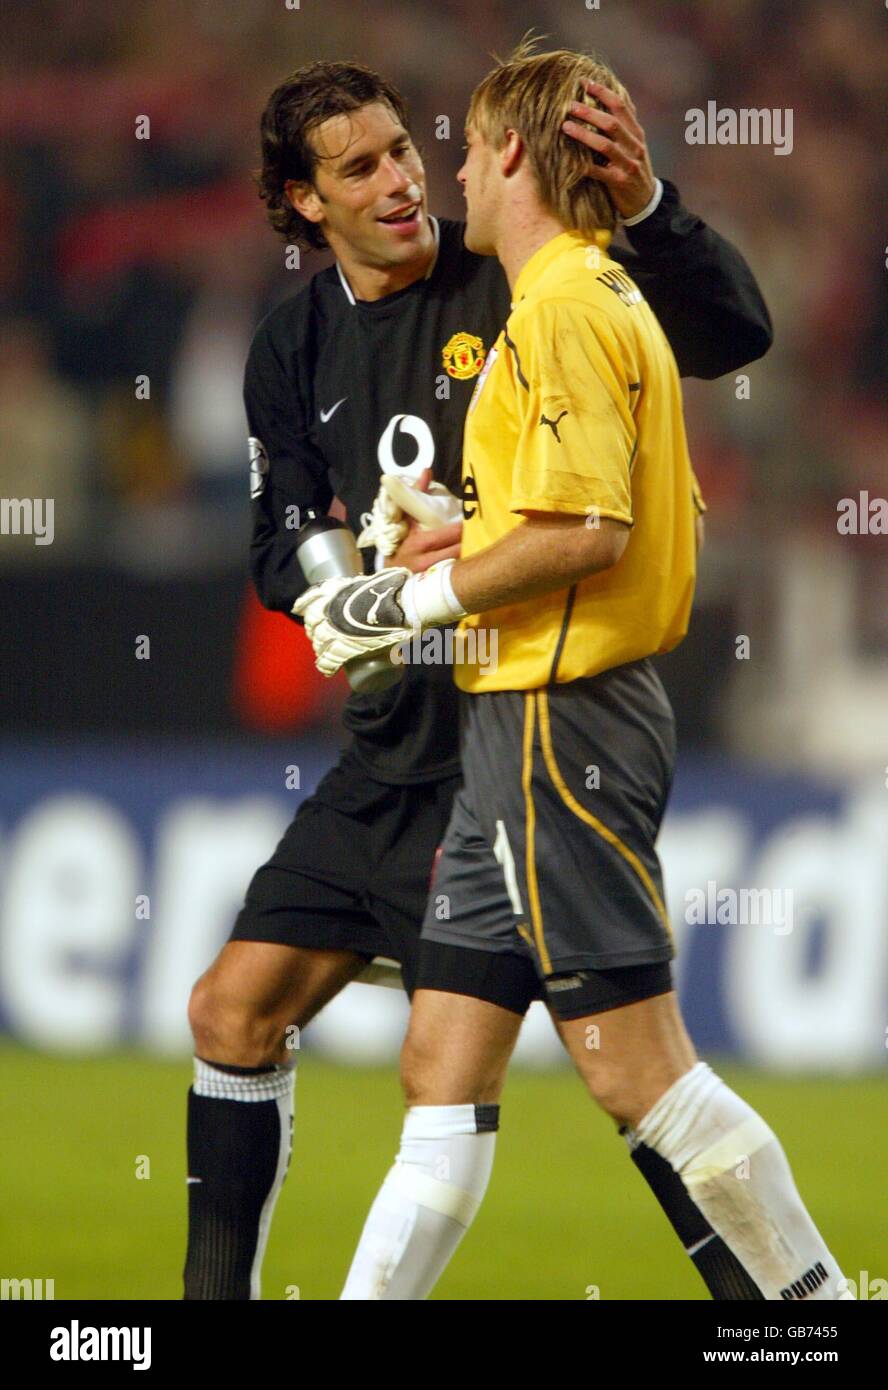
578, 410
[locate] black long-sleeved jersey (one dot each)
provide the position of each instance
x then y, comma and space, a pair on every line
338, 390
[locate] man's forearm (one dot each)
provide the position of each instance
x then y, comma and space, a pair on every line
544, 554
350, 617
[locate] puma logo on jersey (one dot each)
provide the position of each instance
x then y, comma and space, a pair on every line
544, 420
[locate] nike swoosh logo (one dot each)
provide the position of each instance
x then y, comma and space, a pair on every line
328, 414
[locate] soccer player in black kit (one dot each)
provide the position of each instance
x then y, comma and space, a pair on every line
369, 370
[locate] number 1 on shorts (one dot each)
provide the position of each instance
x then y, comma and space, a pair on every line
503, 854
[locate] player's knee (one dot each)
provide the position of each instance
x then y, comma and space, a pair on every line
199, 1011
417, 1081
207, 1017
225, 1030
614, 1092
427, 1078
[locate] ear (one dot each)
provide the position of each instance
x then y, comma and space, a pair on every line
304, 199
511, 153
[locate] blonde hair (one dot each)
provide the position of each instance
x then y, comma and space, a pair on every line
531, 93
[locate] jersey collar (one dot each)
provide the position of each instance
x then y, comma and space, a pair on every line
540, 261
428, 275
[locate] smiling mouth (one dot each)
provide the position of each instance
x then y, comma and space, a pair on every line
402, 217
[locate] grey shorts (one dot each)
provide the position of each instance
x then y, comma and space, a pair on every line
550, 848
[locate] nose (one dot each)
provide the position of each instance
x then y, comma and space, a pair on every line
397, 179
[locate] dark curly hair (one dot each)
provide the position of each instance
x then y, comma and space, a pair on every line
307, 98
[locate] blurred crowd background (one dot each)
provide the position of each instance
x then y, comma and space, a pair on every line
124, 258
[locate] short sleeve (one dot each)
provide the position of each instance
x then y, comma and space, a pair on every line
577, 438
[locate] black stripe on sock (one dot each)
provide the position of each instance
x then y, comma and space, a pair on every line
486, 1119
237, 1071
721, 1271
723, 1274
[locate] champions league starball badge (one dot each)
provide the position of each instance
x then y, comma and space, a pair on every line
258, 467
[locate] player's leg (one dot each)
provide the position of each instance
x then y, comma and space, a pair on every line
528, 760
302, 934
600, 898
240, 1107
453, 1067
642, 1069
721, 1271
470, 907
244, 1009
717, 1265
467, 1010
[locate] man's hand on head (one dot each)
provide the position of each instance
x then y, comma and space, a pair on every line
616, 134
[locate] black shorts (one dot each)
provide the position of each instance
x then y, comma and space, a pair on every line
352, 871
511, 981
564, 793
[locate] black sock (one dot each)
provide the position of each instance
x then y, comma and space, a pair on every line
719, 1268
238, 1152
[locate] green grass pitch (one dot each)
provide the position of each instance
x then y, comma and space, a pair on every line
566, 1211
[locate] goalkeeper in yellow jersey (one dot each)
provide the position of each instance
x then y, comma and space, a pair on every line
578, 553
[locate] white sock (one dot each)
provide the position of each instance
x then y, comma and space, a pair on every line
426, 1204
734, 1169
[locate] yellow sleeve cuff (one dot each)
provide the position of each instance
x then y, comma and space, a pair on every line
550, 504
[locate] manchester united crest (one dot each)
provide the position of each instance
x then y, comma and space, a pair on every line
463, 356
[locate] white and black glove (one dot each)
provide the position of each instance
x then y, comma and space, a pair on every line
345, 618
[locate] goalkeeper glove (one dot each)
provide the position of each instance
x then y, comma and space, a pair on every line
345, 618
